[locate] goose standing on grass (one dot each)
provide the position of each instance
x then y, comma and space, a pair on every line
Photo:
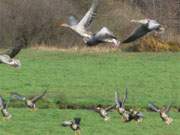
103, 112
4, 108
147, 25
7, 57
29, 102
82, 28
73, 124
163, 112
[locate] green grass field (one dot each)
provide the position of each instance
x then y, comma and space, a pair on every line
88, 79
48, 122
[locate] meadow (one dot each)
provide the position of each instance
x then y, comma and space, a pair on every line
85, 79
48, 122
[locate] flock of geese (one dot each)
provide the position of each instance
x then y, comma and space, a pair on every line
102, 36
119, 105
126, 114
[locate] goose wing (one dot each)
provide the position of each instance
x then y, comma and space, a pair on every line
137, 33
104, 34
168, 108
1, 102
17, 96
125, 96
117, 100
89, 16
5, 59
16, 49
9, 61
7, 103
153, 107
36, 98
67, 123
110, 108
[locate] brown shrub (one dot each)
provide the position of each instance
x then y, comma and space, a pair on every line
154, 44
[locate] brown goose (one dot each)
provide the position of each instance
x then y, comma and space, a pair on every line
82, 28
127, 115
7, 57
103, 112
163, 112
147, 25
73, 124
4, 108
29, 102
120, 106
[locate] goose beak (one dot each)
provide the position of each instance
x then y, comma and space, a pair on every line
64, 25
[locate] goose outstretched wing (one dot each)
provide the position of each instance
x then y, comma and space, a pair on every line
104, 34
4, 104
89, 16
125, 96
110, 108
1, 102
19, 43
67, 123
168, 108
5, 59
7, 103
137, 33
17, 96
9, 61
36, 98
153, 107
118, 102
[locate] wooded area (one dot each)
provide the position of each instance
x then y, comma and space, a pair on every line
37, 20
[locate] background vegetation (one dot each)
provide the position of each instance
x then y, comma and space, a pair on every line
37, 21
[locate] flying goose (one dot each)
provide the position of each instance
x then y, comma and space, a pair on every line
7, 57
29, 102
82, 28
4, 108
103, 112
126, 115
147, 25
121, 107
163, 112
73, 124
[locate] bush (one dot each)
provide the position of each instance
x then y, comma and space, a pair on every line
154, 44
